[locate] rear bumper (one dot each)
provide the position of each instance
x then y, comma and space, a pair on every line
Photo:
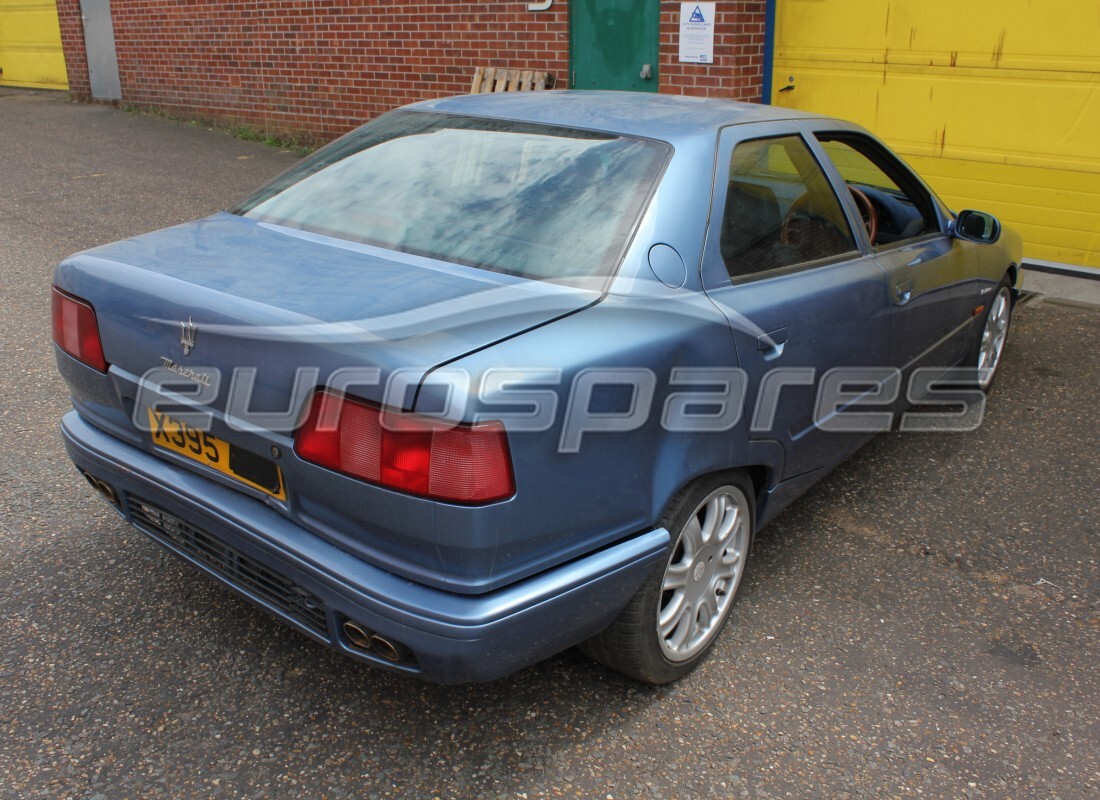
315, 587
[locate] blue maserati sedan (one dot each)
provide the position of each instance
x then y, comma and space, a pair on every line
493, 376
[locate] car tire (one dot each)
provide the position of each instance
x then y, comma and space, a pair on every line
990, 343
673, 620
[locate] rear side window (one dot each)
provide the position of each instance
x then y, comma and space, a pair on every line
781, 211
530, 200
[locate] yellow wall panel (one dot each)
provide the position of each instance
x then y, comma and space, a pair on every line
30, 45
996, 104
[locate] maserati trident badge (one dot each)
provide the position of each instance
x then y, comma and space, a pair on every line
188, 330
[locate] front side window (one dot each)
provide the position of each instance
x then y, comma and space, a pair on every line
900, 208
781, 211
531, 200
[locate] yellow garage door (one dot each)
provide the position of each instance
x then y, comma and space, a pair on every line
30, 45
995, 102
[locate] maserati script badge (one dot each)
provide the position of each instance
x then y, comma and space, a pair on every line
188, 331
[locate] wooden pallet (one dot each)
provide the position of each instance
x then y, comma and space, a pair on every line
499, 79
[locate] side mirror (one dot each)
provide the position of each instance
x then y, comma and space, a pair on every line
975, 226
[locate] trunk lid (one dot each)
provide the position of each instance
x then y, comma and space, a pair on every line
253, 295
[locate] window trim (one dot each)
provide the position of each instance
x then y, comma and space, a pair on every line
802, 266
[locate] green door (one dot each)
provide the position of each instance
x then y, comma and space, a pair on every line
613, 43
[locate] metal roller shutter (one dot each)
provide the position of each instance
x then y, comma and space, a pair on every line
30, 45
995, 103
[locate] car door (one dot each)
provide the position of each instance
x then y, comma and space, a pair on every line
932, 297
801, 292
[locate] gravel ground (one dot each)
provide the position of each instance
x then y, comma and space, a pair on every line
924, 623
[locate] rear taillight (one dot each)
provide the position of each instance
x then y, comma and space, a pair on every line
406, 452
75, 329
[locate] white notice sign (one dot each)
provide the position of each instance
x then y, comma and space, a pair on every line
697, 32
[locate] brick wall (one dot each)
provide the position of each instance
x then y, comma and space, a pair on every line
738, 66
317, 68
72, 43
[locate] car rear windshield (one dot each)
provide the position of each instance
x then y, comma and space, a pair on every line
531, 200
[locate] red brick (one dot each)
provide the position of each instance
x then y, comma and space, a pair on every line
317, 69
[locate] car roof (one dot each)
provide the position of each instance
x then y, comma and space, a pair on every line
659, 116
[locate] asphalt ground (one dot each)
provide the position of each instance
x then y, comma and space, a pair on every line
923, 623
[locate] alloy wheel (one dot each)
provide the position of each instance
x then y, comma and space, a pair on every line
703, 573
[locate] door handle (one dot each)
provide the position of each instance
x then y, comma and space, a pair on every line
903, 292
772, 344
646, 73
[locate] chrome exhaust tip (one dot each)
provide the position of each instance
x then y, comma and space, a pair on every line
357, 637
385, 648
106, 491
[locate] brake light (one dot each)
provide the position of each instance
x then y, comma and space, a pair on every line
458, 463
76, 330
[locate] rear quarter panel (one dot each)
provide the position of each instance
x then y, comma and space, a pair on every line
616, 483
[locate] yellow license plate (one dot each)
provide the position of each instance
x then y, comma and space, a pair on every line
218, 454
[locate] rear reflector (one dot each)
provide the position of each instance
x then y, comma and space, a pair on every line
467, 464
75, 329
